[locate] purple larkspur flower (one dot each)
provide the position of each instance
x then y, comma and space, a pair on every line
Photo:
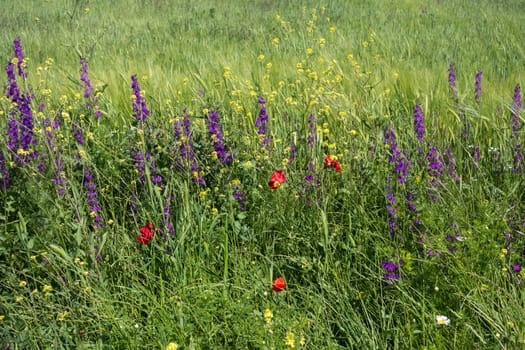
140, 110
13, 91
85, 85
262, 122
391, 271
92, 199
419, 124
400, 160
19, 54
215, 132
518, 163
477, 87
452, 81
391, 209
450, 164
186, 159
293, 153
434, 162
516, 107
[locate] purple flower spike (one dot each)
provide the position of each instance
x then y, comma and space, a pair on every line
140, 111
477, 86
215, 131
419, 125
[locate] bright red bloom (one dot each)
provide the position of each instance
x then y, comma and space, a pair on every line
277, 180
278, 284
332, 162
146, 233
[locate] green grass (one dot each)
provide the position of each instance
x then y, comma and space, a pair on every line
342, 72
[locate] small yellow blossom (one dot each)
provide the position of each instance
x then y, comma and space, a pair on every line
22, 284
309, 51
353, 132
19, 299
260, 58
172, 346
268, 316
34, 291
275, 41
289, 341
62, 315
331, 29
214, 210
2, 317
47, 288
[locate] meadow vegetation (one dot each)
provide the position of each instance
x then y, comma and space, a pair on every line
262, 174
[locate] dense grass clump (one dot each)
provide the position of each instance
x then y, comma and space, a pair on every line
262, 175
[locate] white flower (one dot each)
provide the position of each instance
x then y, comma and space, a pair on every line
442, 320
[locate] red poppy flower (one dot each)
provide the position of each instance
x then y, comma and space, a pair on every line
277, 179
332, 162
146, 233
278, 284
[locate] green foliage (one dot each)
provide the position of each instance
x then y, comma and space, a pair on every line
370, 255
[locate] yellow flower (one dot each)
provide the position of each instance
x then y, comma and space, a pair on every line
47, 288
214, 210
309, 51
322, 41
365, 43
22, 284
2, 317
260, 58
19, 299
62, 315
353, 132
172, 346
331, 29
268, 316
275, 41
289, 341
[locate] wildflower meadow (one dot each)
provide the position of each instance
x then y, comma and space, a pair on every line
261, 174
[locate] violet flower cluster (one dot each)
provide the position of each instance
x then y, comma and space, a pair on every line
419, 124
399, 159
391, 209
20, 132
85, 85
214, 129
92, 198
477, 87
140, 110
262, 122
452, 81
516, 107
392, 271
311, 181
183, 136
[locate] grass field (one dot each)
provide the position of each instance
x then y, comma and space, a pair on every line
262, 174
